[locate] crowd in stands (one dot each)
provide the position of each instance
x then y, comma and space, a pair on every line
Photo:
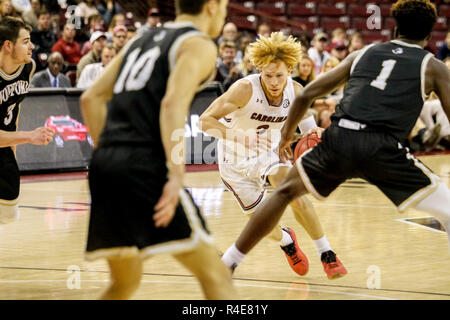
322, 53
72, 47
72, 53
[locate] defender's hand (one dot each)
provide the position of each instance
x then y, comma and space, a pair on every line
284, 149
167, 203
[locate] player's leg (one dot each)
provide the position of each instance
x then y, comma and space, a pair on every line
248, 193
438, 205
315, 172
9, 187
302, 208
305, 214
406, 181
126, 274
213, 275
270, 211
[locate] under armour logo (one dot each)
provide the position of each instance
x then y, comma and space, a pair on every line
259, 100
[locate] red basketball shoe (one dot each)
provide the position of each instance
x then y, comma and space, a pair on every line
332, 266
296, 258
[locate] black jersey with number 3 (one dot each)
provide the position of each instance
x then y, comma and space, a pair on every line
133, 115
386, 89
13, 89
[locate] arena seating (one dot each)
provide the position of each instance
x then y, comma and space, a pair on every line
327, 15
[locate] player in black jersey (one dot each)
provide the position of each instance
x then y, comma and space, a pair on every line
139, 207
16, 70
387, 86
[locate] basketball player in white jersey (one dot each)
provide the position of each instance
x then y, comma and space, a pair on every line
247, 119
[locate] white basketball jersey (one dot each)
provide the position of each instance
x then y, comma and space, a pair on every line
258, 116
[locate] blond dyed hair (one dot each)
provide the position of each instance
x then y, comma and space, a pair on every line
265, 51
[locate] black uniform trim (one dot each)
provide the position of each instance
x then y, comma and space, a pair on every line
376, 157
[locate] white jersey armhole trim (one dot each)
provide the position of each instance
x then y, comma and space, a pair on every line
423, 70
176, 45
359, 56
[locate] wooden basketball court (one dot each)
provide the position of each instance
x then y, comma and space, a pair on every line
387, 256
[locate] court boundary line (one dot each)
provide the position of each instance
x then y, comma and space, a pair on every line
245, 279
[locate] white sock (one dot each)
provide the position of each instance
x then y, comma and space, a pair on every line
286, 239
307, 124
438, 205
322, 245
233, 257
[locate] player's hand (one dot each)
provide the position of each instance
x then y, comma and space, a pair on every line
41, 136
317, 130
284, 149
167, 203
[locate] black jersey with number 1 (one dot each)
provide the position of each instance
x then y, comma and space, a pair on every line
386, 89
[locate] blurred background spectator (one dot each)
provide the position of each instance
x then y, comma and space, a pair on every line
227, 70
264, 29
98, 41
31, 16
317, 52
85, 9
92, 71
52, 76
108, 9
444, 50
339, 50
43, 39
67, 46
326, 106
119, 37
305, 71
153, 20
229, 33
7, 9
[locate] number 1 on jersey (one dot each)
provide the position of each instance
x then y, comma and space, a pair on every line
380, 81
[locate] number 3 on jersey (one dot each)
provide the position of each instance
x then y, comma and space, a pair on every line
136, 72
9, 114
380, 81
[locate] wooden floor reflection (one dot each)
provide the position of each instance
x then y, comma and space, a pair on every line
388, 255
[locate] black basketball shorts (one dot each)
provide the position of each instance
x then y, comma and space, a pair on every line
9, 177
376, 157
125, 185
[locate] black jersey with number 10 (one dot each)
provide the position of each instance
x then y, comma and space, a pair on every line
386, 89
133, 113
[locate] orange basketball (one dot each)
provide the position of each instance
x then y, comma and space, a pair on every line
307, 142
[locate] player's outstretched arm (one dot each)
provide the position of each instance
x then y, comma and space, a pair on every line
195, 61
93, 100
320, 87
39, 136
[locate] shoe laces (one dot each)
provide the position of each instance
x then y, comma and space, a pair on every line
291, 251
329, 257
